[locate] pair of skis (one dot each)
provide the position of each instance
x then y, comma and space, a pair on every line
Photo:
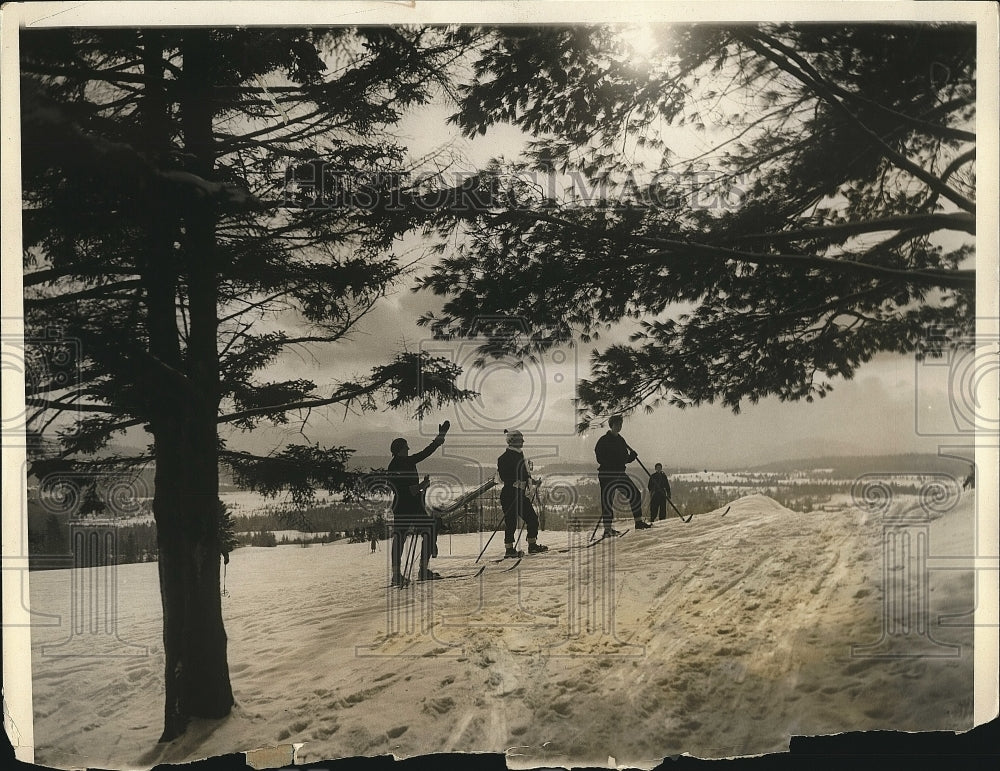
565, 549
606, 536
516, 557
472, 574
440, 577
517, 561
689, 516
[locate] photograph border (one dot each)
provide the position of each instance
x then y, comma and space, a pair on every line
17, 16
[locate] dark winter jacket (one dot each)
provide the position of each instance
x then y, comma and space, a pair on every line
408, 498
613, 453
511, 468
658, 485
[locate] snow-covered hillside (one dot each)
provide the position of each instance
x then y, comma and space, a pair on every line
720, 637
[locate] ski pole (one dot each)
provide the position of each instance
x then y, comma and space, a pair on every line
596, 525
414, 545
519, 532
679, 512
639, 461
538, 500
405, 553
668, 498
410, 554
488, 542
600, 519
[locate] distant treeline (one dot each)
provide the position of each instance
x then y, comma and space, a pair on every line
125, 541
120, 544
315, 519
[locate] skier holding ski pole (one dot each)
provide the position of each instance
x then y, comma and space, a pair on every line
513, 472
408, 513
613, 454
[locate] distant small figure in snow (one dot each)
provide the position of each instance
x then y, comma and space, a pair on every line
659, 491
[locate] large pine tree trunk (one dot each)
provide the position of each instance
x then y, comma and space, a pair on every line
194, 638
183, 389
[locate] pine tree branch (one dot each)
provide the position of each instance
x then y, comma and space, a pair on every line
958, 162
87, 73
922, 223
345, 396
109, 156
51, 274
934, 129
255, 304
807, 75
56, 404
98, 292
679, 251
673, 250
950, 169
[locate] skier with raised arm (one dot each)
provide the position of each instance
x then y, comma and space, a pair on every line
408, 513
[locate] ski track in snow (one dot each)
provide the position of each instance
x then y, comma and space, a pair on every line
718, 638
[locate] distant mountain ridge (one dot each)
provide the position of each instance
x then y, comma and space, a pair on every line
839, 466
850, 466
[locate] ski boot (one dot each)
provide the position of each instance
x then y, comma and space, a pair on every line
400, 581
640, 525
536, 548
428, 575
511, 553
610, 532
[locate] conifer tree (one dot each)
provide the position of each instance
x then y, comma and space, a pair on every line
161, 245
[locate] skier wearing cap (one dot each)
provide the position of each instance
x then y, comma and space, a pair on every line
613, 454
659, 491
408, 513
513, 472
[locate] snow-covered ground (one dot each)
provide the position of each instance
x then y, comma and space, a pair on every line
718, 638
